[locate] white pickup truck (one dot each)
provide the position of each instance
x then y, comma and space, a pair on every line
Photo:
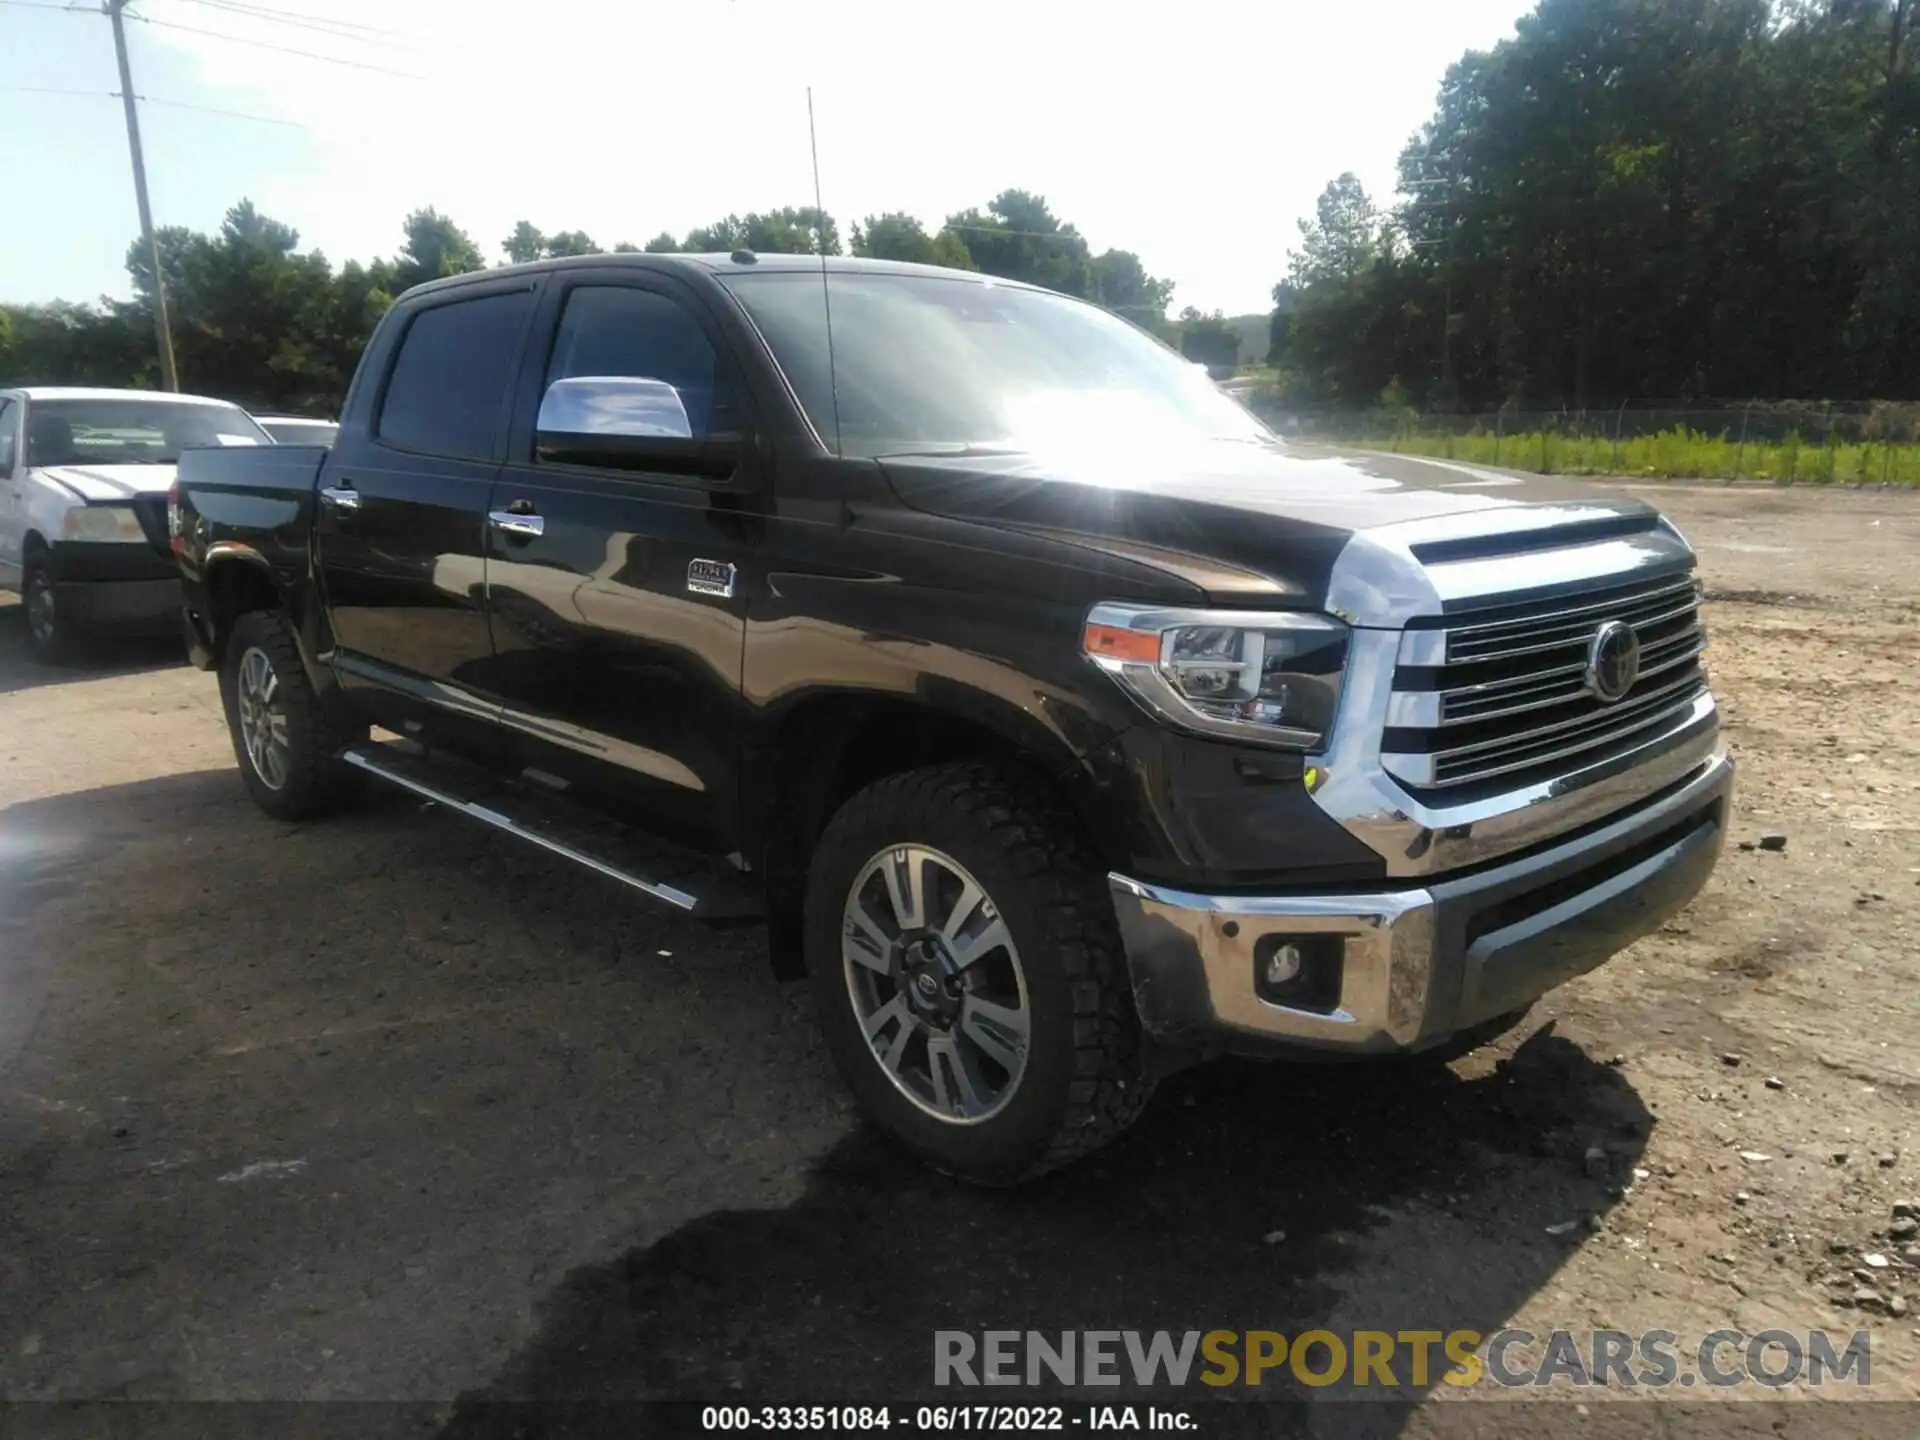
84, 476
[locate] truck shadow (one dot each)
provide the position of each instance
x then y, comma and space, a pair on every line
1383, 1196
104, 656
1390, 1197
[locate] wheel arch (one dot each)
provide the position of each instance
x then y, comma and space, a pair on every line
828, 747
237, 579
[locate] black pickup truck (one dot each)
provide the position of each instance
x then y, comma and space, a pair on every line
1059, 722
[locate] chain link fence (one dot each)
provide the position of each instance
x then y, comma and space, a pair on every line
1788, 442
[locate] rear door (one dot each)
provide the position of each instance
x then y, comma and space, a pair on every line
401, 531
618, 596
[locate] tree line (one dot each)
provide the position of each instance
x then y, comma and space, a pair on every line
1674, 199
1671, 198
258, 320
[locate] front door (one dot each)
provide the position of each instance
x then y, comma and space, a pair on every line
13, 494
402, 519
618, 596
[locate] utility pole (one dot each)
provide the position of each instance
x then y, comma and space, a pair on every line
168, 377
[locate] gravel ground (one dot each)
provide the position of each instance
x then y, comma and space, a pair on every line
385, 1109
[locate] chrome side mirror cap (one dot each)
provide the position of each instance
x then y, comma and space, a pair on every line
613, 406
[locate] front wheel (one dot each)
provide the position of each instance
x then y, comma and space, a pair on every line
51, 637
287, 741
969, 976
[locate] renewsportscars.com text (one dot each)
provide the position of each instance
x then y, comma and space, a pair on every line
1391, 1359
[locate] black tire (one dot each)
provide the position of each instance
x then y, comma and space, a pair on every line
51, 640
1084, 1082
313, 779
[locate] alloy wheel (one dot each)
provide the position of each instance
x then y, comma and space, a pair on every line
936, 983
263, 719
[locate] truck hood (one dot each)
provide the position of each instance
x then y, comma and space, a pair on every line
97, 483
1244, 522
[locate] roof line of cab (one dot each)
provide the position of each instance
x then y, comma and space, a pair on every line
718, 264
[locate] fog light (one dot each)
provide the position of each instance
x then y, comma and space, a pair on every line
1283, 964
1302, 972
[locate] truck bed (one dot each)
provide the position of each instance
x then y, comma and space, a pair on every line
261, 496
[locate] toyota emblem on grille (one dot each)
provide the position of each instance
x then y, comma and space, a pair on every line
1613, 661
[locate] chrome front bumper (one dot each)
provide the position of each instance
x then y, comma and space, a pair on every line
1419, 964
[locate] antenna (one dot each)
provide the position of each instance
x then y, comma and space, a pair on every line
826, 290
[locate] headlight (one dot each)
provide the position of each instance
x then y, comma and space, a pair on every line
1272, 677
102, 523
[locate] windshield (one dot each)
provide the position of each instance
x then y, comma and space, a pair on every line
131, 432
927, 364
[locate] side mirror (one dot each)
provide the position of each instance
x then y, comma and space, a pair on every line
621, 422
611, 407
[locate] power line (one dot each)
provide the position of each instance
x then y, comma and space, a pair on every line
41, 5
1030, 234
341, 29
217, 110
282, 49
153, 100
300, 19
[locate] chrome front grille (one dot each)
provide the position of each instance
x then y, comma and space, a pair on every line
1501, 690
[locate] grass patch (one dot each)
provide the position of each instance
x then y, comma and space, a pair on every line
1676, 454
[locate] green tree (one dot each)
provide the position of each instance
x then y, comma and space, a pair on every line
1342, 239
899, 236
1018, 237
435, 248
1640, 197
572, 242
662, 244
524, 244
1286, 299
249, 312
62, 343
1571, 185
789, 231
1122, 284
1209, 339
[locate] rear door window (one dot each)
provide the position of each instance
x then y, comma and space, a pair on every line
447, 391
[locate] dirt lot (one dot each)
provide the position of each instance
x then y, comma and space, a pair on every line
385, 1109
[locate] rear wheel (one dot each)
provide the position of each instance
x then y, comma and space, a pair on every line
287, 742
969, 976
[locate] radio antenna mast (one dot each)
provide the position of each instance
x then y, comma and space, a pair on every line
826, 290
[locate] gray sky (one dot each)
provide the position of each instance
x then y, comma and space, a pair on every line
1195, 133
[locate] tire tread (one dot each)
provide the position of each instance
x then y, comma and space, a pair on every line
320, 782
1044, 844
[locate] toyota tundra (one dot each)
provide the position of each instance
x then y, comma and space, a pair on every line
1060, 723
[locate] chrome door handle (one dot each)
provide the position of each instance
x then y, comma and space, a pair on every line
344, 496
517, 524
